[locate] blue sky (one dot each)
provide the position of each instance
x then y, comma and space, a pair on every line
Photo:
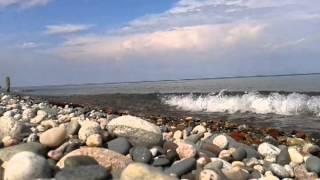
91, 41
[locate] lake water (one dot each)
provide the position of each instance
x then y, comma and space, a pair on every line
279, 101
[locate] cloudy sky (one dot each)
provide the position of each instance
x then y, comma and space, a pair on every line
90, 41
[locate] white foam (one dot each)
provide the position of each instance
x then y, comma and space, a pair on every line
291, 104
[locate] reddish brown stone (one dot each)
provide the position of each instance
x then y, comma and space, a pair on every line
238, 136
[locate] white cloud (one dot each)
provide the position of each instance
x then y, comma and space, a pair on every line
188, 40
66, 28
23, 3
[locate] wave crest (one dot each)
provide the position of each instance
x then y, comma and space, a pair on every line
290, 104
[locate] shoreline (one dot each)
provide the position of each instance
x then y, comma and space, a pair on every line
102, 143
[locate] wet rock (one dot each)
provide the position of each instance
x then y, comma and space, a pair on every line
120, 145
89, 172
27, 165
37, 148
53, 137
141, 154
239, 154
75, 161
313, 164
106, 158
186, 150
94, 140
182, 167
283, 158
279, 171
295, 155
266, 149
10, 127
143, 172
88, 128
136, 130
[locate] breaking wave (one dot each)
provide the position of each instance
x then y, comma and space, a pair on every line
282, 104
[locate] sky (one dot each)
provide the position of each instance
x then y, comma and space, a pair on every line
50, 42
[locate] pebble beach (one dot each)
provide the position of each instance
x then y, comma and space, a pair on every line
47, 141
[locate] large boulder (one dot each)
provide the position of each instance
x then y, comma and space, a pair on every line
106, 158
136, 130
143, 172
27, 165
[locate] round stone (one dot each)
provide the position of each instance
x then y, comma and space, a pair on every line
94, 140
208, 174
239, 154
186, 150
283, 158
27, 165
295, 155
120, 145
182, 167
83, 173
141, 154
143, 172
53, 137
279, 171
88, 128
221, 141
75, 161
266, 149
313, 164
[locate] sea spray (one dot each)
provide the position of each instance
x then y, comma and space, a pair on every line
282, 104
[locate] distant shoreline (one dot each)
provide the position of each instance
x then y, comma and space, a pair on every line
173, 80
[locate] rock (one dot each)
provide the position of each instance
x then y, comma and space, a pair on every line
313, 164
295, 155
214, 165
311, 149
199, 129
289, 170
255, 174
10, 127
226, 155
160, 161
226, 165
28, 114
141, 154
120, 145
27, 165
41, 115
89, 172
53, 137
73, 127
33, 138
75, 161
279, 171
266, 149
94, 140
186, 150
236, 173
37, 148
283, 158
177, 135
156, 150
269, 176
182, 167
208, 174
143, 172
88, 128
221, 141
9, 141
104, 157
301, 173
251, 162
295, 142
193, 138
136, 130
239, 154
210, 147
